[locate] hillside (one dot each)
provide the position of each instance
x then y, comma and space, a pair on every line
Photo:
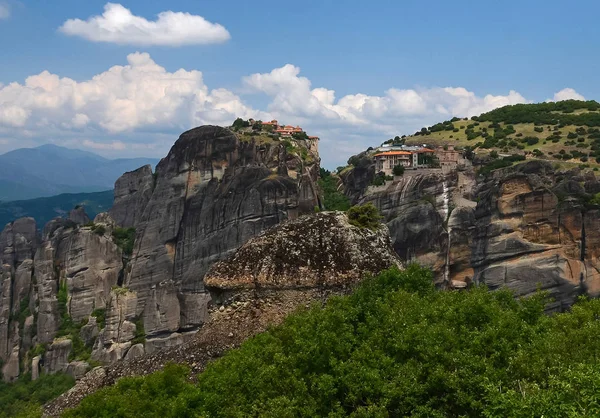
44, 209
49, 170
566, 132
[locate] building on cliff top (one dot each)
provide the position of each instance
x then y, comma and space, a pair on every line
408, 158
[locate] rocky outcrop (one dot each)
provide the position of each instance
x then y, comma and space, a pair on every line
81, 281
213, 192
317, 251
78, 216
18, 241
132, 193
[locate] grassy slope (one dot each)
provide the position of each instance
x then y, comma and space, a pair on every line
525, 129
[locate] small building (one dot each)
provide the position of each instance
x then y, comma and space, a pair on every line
273, 123
415, 158
448, 157
386, 161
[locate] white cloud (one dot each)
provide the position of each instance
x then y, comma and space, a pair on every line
4, 10
293, 96
118, 25
566, 94
139, 95
141, 107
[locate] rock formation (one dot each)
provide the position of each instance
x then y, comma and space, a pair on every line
526, 227
290, 266
132, 193
78, 289
317, 251
213, 192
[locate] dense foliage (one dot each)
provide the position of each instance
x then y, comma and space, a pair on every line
495, 164
25, 397
365, 216
396, 347
333, 199
550, 113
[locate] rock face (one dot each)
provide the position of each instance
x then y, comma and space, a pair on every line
526, 227
321, 250
18, 241
132, 193
213, 192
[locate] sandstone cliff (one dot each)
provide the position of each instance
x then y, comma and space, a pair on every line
526, 227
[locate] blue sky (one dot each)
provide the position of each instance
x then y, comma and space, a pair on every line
389, 64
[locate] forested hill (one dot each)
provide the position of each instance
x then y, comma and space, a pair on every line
44, 209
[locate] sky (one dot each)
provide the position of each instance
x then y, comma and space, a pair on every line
124, 79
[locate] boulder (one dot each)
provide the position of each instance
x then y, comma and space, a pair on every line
322, 250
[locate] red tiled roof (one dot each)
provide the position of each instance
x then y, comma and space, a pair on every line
390, 153
424, 150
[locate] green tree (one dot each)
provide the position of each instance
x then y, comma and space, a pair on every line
398, 170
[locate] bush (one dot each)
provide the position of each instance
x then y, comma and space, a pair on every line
531, 140
398, 170
99, 230
25, 397
100, 315
124, 238
365, 216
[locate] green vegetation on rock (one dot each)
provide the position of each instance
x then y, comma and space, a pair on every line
124, 238
333, 199
365, 216
395, 347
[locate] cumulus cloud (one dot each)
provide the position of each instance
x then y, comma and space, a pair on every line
293, 96
141, 107
4, 10
120, 26
566, 94
139, 95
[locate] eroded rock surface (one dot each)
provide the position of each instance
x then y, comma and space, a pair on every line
525, 227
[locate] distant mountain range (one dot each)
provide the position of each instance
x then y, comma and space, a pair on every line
49, 170
44, 209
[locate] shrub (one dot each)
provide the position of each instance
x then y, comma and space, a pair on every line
365, 216
538, 129
99, 230
531, 140
398, 170
100, 315
124, 238
25, 397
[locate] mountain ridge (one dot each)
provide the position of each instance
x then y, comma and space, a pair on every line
48, 170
